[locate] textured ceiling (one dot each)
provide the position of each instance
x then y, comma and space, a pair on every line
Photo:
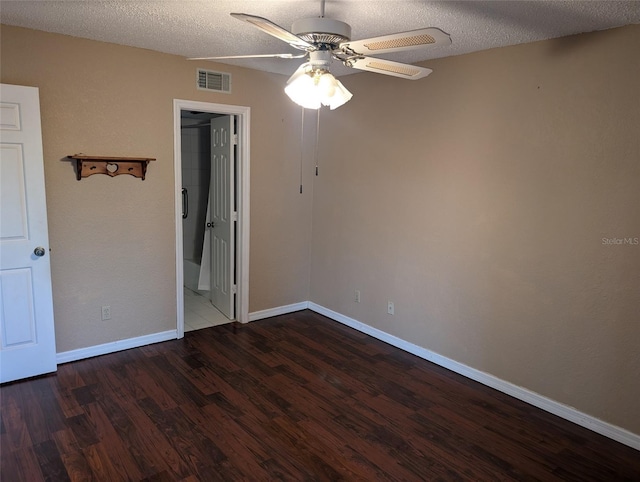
197, 28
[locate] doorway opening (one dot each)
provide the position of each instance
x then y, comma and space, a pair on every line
211, 157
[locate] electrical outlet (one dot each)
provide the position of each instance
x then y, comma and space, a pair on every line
390, 308
106, 313
357, 297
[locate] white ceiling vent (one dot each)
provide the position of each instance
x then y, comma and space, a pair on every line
214, 81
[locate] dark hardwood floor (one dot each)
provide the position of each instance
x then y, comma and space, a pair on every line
295, 397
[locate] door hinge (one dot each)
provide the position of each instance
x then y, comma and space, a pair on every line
234, 289
235, 139
234, 216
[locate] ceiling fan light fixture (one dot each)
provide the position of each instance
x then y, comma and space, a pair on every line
312, 88
327, 84
341, 96
300, 88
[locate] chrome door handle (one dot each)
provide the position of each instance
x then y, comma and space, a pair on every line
39, 251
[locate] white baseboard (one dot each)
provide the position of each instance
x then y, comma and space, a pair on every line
564, 411
114, 346
280, 310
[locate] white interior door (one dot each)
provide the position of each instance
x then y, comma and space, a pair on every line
27, 336
223, 214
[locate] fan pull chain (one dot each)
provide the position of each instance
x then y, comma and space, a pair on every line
317, 138
301, 146
321, 8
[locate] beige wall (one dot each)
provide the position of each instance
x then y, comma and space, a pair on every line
113, 239
477, 199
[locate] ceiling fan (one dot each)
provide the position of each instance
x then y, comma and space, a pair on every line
324, 40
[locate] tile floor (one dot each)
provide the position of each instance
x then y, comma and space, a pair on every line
200, 313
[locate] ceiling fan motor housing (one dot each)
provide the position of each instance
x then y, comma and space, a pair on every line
322, 30
320, 59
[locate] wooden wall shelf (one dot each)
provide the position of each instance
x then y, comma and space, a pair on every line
111, 166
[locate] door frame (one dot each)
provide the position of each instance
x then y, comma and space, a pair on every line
243, 115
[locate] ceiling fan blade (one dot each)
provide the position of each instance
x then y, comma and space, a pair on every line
277, 31
413, 39
388, 67
256, 56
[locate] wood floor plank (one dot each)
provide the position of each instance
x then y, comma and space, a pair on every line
121, 458
21, 464
146, 441
51, 464
244, 454
72, 457
99, 461
149, 387
40, 410
294, 397
15, 434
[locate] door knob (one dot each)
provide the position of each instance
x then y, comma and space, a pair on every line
211, 225
39, 251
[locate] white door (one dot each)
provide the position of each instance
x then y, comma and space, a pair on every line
223, 214
27, 337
